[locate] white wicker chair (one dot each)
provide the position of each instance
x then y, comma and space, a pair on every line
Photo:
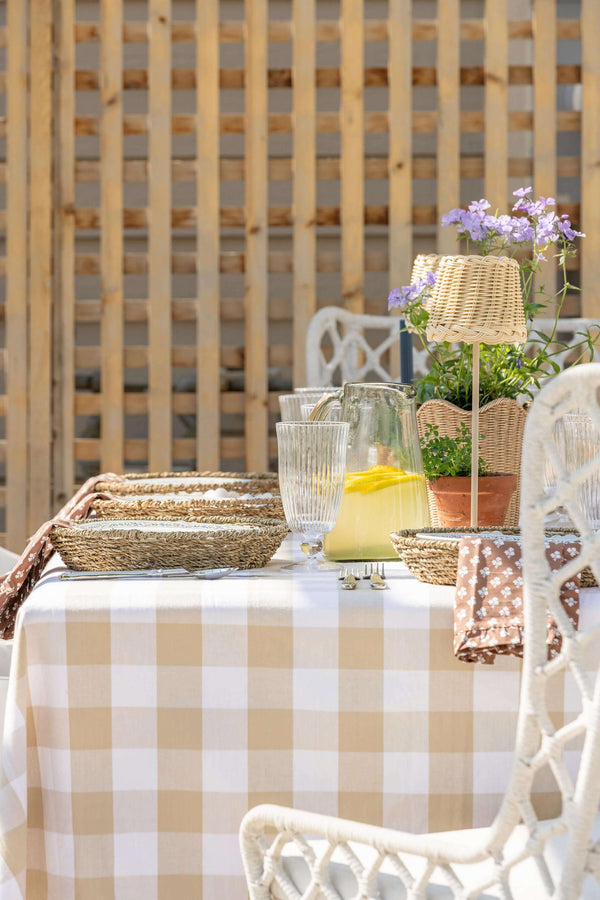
316, 857
356, 344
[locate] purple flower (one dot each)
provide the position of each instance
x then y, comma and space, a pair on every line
396, 299
545, 232
538, 224
454, 217
522, 230
566, 229
479, 206
399, 298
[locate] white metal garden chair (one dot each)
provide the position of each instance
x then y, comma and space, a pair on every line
316, 857
344, 346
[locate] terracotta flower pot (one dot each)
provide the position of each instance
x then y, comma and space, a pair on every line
501, 425
453, 499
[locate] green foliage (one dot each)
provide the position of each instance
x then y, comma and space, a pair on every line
448, 456
506, 370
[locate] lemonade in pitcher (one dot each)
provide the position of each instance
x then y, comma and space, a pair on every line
385, 487
375, 502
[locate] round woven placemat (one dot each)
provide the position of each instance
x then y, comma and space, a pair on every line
97, 546
180, 482
436, 561
184, 507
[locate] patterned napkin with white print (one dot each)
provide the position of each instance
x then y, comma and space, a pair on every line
488, 605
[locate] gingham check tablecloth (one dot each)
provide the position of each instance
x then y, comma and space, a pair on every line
145, 717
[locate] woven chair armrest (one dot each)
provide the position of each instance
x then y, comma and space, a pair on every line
287, 821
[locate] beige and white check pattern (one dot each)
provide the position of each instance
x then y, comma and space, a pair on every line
145, 718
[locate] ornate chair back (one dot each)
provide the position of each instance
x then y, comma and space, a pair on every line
343, 346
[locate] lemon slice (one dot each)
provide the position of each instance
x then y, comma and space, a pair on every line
370, 481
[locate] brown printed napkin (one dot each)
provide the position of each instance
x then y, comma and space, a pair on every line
488, 605
18, 584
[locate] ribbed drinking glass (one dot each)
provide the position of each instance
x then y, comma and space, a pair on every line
290, 405
577, 440
312, 468
581, 445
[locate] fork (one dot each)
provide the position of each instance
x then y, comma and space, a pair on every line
349, 578
376, 575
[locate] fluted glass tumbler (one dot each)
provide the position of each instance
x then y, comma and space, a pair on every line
290, 405
312, 468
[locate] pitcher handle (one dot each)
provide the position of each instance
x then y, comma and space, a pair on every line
320, 411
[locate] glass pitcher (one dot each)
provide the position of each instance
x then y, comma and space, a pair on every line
385, 486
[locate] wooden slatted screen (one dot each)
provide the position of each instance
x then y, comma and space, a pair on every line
191, 180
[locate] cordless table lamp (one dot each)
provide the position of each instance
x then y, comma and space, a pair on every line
477, 300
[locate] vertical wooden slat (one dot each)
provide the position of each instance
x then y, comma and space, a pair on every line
544, 105
111, 174
16, 276
256, 312
159, 239
305, 184
208, 331
400, 152
590, 158
64, 256
40, 255
352, 164
448, 132
496, 103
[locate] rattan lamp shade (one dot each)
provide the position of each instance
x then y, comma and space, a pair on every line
477, 299
424, 263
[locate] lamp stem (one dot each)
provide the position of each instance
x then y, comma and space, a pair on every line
475, 437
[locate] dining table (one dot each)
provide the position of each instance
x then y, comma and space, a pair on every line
146, 715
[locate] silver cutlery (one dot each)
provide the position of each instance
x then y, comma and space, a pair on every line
349, 577
375, 572
203, 574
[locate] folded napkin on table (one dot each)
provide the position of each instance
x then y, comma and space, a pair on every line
18, 584
488, 605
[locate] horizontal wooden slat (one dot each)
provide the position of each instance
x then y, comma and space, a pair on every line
88, 312
328, 168
327, 123
278, 32
230, 263
88, 449
232, 32
184, 357
234, 216
374, 76
136, 404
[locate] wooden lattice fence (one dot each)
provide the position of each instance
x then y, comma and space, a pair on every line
185, 183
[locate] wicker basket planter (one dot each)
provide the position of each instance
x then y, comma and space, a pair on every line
187, 506
100, 545
435, 560
169, 482
501, 425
